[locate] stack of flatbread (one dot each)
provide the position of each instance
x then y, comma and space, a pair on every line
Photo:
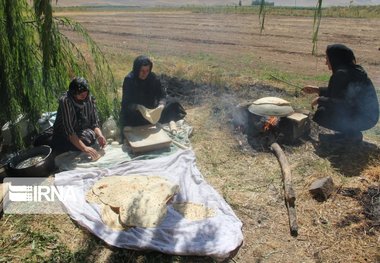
135, 200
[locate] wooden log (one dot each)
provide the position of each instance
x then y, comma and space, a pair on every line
290, 196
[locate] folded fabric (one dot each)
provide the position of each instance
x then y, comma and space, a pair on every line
151, 115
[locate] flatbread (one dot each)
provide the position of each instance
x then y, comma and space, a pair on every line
193, 211
147, 208
272, 100
92, 198
102, 186
110, 218
151, 115
137, 200
143, 210
121, 187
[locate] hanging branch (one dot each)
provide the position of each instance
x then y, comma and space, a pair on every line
98, 71
19, 70
316, 24
37, 63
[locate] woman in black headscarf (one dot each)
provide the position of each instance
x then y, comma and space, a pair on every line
77, 126
349, 104
142, 87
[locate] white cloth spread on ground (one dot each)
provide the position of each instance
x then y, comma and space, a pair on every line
116, 154
217, 236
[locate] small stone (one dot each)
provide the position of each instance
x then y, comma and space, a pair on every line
322, 188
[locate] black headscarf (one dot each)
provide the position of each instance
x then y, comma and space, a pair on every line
140, 62
340, 55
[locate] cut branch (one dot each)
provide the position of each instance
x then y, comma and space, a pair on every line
290, 195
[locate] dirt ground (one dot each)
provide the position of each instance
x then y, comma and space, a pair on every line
234, 38
345, 228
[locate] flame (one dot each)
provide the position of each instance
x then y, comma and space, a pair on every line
270, 123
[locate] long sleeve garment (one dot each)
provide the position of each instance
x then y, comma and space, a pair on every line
74, 117
148, 92
349, 103
79, 118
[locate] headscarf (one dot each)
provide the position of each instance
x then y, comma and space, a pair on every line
77, 86
340, 55
140, 62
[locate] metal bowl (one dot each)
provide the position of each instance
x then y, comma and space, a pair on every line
42, 168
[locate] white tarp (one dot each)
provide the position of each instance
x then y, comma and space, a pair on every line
217, 236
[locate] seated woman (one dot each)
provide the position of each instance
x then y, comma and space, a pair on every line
142, 91
77, 126
349, 104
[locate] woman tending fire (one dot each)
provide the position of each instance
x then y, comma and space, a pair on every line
349, 104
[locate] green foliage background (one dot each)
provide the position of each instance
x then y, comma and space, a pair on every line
37, 63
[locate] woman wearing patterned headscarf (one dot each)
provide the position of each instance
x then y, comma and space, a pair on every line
349, 104
77, 126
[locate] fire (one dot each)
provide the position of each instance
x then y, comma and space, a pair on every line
270, 123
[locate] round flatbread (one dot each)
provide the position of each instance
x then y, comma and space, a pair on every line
151, 115
125, 186
110, 218
272, 100
137, 200
271, 106
92, 198
142, 210
193, 211
102, 186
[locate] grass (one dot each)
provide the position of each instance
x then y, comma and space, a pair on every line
341, 12
347, 12
250, 182
213, 70
42, 238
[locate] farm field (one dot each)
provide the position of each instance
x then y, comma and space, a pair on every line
232, 42
227, 54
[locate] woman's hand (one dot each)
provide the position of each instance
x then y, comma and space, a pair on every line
314, 102
310, 89
92, 152
102, 141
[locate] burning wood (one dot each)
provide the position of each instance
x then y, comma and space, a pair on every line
270, 123
264, 131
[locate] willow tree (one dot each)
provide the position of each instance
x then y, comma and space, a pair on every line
37, 62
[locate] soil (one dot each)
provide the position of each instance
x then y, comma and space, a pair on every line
285, 43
